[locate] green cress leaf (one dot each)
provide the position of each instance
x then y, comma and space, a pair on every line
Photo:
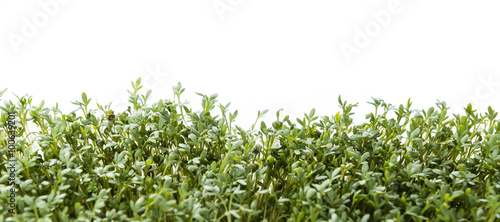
168, 162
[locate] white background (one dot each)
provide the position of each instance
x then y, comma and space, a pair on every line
255, 54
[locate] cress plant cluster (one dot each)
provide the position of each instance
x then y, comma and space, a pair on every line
166, 162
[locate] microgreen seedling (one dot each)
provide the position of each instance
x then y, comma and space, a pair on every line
166, 162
